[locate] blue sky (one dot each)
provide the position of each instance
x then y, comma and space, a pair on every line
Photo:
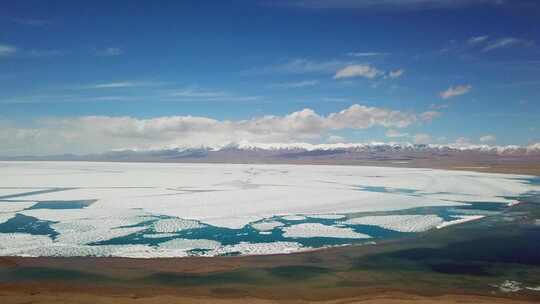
457, 71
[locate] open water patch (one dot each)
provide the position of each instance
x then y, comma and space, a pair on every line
27, 224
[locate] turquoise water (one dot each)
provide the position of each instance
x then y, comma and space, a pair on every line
227, 236
62, 204
27, 224
388, 190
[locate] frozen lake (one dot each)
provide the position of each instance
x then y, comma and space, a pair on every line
175, 210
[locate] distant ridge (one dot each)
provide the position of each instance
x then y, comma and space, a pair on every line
274, 152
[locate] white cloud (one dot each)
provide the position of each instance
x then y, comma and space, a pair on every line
7, 50
110, 51
340, 69
335, 139
43, 53
477, 40
358, 70
301, 66
113, 85
295, 85
487, 138
195, 93
123, 91
363, 117
462, 141
505, 43
209, 95
422, 138
122, 84
92, 134
456, 91
428, 116
395, 133
396, 73
112, 98
365, 54
438, 106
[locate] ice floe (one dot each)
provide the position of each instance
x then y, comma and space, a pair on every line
159, 235
309, 230
86, 231
245, 248
509, 286
401, 223
266, 225
293, 217
188, 244
175, 225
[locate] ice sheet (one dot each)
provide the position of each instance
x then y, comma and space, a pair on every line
128, 195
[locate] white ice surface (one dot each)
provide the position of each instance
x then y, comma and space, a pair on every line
187, 244
15, 206
158, 235
309, 230
175, 225
327, 216
232, 196
260, 248
66, 250
15, 191
18, 243
266, 225
461, 219
401, 223
86, 231
294, 217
